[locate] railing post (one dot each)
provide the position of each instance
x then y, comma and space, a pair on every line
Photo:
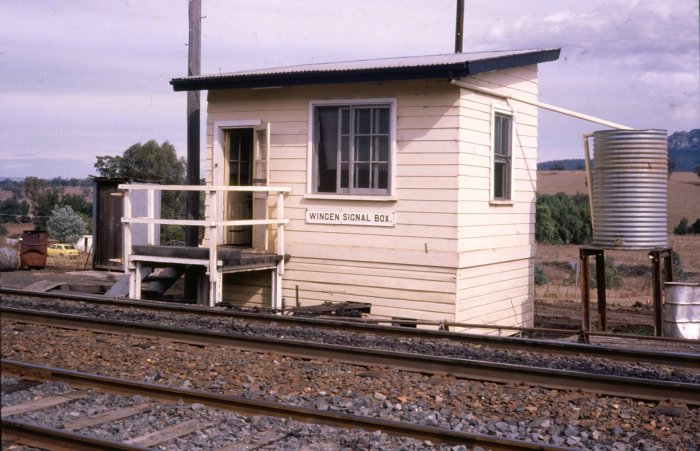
151, 215
126, 221
276, 303
279, 245
214, 276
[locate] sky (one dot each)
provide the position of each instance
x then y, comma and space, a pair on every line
82, 78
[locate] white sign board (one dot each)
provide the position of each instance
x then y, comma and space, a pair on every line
375, 218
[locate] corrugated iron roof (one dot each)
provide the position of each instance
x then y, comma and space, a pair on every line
412, 67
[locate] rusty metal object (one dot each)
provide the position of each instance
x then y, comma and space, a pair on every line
32, 252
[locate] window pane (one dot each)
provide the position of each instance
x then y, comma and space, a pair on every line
499, 180
362, 148
361, 175
345, 148
245, 173
505, 136
344, 175
381, 121
363, 120
380, 150
502, 130
345, 121
380, 176
235, 153
327, 145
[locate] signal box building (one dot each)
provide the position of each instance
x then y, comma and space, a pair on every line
408, 190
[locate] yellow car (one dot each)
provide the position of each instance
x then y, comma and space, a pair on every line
62, 250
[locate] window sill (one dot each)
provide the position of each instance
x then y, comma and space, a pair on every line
501, 203
350, 197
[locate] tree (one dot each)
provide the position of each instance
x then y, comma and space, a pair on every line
77, 203
152, 162
33, 189
12, 210
43, 208
65, 225
148, 162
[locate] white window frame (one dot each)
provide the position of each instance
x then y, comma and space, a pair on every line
504, 111
311, 158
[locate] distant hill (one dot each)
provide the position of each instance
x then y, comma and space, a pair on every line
683, 150
577, 164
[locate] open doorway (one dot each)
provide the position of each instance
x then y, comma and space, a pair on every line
239, 162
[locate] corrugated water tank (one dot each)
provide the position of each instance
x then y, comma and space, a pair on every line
630, 185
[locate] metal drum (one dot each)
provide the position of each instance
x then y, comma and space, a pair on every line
630, 185
682, 310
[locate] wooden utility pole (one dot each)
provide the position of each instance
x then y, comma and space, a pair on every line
194, 67
459, 29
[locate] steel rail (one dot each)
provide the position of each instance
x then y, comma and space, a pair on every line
630, 387
262, 407
57, 439
674, 359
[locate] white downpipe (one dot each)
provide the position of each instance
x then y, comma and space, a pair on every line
543, 105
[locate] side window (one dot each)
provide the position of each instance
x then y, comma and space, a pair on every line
352, 149
502, 156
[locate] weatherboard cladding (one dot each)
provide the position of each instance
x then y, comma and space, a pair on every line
403, 68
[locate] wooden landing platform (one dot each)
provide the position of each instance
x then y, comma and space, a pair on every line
234, 259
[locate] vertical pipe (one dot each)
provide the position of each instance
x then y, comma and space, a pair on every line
600, 286
459, 28
585, 292
193, 130
656, 276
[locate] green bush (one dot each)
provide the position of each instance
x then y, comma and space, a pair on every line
682, 227
562, 219
540, 276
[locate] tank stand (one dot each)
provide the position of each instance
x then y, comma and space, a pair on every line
655, 255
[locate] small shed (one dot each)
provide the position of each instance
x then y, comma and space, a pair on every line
408, 190
107, 213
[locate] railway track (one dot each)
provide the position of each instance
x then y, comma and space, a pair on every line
615, 352
630, 387
66, 435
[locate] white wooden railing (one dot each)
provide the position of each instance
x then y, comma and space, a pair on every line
214, 199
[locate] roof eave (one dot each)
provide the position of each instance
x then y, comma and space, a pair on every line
446, 71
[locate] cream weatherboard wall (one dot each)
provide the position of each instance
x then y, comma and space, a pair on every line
452, 254
497, 239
